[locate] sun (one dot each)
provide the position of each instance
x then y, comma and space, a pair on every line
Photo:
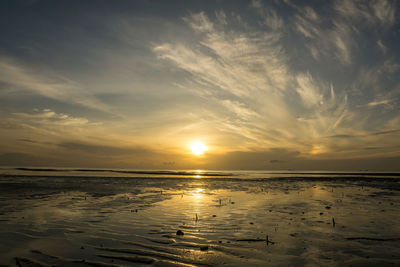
198, 148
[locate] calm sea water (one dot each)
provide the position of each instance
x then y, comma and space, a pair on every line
243, 174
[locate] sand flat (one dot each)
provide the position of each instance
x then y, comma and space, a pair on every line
100, 221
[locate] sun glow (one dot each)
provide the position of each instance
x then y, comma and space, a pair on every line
198, 148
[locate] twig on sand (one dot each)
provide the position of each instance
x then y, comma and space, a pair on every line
250, 240
269, 241
257, 240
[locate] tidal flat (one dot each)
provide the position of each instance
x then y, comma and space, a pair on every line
134, 221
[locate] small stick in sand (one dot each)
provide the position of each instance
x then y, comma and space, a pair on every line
333, 222
197, 218
269, 241
220, 202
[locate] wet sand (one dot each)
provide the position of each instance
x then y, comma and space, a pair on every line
94, 221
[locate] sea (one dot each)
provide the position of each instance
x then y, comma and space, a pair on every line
156, 173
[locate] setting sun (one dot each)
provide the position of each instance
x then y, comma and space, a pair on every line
198, 148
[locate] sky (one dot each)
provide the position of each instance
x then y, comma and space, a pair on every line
274, 85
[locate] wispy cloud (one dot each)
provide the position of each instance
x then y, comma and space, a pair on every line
47, 116
384, 11
377, 103
309, 91
271, 19
253, 68
21, 78
382, 47
239, 109
315, 80
338, 32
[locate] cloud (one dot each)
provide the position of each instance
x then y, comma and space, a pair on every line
384, 11
257, 4
256, 160
385, 132
26, 140
364, 135
339, 31
382, 47
308, 90
337, 39
200, 22
239, 109
378, 103
317, 78
49, 117
248, 74
221, 17
342, 136
271, 19
307, 26
229, 61
18, 77
373, 12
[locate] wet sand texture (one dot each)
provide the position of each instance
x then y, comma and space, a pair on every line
46, 221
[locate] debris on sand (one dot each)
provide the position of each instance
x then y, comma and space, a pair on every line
204, 248
269, 241
250, 240
256, 240
179, 232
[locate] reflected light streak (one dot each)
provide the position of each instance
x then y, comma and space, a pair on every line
198, 193
198, 173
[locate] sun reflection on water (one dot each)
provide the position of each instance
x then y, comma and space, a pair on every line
198, 193
198, 173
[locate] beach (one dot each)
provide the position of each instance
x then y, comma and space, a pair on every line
164, 219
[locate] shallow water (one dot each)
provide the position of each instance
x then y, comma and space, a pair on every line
100, 221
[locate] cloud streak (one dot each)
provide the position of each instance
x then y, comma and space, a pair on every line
263, 83
238, 69
17, 78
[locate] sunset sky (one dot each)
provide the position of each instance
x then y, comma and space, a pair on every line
262, 84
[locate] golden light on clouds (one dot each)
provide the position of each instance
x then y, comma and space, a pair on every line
198, 148
313, 82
